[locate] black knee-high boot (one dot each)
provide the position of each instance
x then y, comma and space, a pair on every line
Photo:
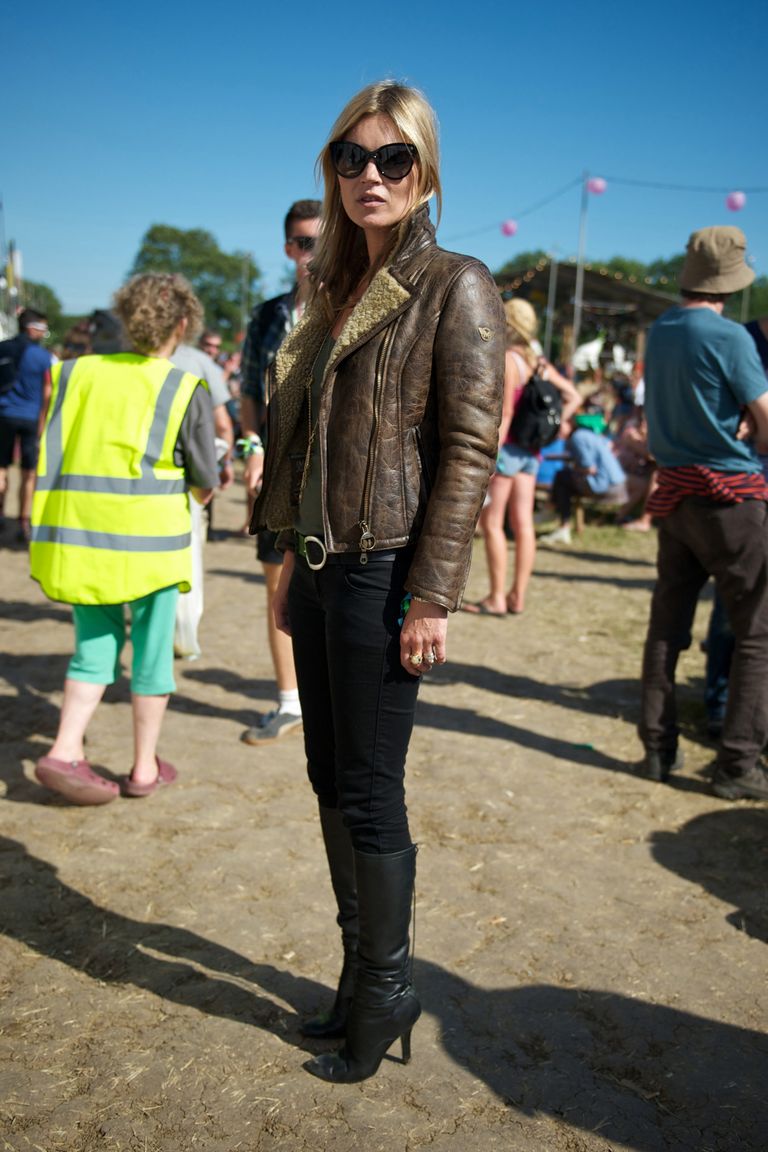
341, 862
385, 1006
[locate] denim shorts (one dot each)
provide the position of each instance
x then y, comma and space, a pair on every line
266, 547
511, 460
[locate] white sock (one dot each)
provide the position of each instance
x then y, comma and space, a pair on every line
289, 702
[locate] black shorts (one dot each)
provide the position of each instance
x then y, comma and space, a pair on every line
26, 432
265, 547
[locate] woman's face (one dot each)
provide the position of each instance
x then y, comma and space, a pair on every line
371, 201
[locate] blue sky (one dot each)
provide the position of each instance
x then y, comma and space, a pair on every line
212, 116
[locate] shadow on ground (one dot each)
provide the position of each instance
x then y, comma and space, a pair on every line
641, 1074
726, 853
652, 1077
170, 962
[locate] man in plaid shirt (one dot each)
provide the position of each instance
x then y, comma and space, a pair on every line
268, 327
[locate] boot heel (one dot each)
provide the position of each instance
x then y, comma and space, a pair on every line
405, 1045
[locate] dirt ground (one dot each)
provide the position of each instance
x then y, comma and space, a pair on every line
590, 947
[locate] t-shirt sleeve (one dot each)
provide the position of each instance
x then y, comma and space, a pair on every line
217, 385
195, 450
746, 375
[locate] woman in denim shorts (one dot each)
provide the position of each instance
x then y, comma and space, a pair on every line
513, 487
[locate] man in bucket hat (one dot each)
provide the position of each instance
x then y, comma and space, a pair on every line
706, 403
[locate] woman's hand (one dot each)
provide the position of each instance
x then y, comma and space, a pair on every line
423, 637
280, 598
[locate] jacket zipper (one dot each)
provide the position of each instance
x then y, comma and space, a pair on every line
367, 537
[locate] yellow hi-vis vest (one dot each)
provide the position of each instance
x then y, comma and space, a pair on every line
110, 519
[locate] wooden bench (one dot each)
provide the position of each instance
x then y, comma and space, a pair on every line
582, 504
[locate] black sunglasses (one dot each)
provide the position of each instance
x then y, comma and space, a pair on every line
305, 243
393, 161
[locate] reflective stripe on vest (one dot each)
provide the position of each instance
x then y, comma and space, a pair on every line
145, 485
110, 516
84, 538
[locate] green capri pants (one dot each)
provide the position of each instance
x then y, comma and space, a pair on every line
100, 637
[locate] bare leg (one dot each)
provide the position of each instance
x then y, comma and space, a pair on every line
3, 489
148, 713
81, 699
496, 546
26, 492
521, 517
280, 645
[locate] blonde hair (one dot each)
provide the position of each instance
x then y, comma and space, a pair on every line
522, 323
150, 306
341, 257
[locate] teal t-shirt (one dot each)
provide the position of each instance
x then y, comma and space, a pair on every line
700, 372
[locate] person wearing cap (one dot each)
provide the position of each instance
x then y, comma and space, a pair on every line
22, 414
513, 485
593, 470
706, 402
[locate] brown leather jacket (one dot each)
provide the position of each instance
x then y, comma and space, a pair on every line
408, 417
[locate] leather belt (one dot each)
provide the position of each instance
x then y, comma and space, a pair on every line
313, 550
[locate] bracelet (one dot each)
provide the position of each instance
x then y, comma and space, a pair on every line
421, 600
250, 446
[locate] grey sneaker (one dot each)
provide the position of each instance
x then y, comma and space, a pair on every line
751, 785
278, 725
267, 718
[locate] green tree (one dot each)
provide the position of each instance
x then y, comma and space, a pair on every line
225, 282
521, 263
627, 267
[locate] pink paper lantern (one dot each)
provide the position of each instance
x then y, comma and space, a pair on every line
509, 227
596, 185
735, 201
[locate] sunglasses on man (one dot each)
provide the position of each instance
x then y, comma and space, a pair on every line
393, 161
303, 243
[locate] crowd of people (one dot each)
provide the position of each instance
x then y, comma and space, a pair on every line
377, 428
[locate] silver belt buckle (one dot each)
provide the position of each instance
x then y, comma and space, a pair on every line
321, 546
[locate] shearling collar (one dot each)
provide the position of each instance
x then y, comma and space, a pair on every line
392, 290
389, 292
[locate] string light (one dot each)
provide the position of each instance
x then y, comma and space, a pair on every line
598, 184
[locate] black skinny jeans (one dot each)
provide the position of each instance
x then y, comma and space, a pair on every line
357, 700
730, 542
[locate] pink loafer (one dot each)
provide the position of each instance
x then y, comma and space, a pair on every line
75, 780
166, 774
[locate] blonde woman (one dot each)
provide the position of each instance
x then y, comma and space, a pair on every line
127, 435
382, 436
513, 487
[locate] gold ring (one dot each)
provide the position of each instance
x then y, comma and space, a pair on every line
415, 658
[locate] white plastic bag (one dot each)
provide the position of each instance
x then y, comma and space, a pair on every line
189, 608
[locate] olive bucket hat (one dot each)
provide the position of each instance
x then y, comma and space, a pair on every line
715, 261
